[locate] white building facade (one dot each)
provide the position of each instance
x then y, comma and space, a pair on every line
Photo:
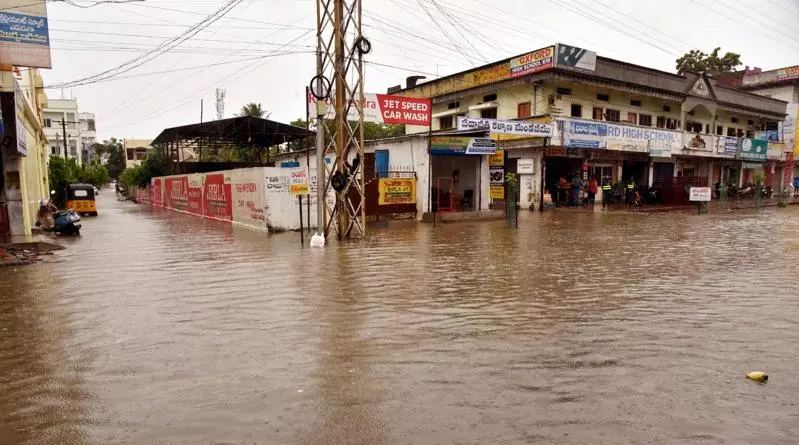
88, 134
61, 117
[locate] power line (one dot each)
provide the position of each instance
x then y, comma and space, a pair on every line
446, 34
738, 21
161, 49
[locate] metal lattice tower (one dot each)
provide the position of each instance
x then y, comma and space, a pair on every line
339, 64
220, 104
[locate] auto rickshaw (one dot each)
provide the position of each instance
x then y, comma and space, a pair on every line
80, 198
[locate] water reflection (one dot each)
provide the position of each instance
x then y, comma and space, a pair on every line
575, 328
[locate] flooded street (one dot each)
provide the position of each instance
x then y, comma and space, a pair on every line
577, 328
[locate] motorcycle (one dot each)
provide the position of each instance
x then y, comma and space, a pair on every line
653, 196
767, 192
63, 222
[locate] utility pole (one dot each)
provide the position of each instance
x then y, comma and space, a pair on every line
339, 67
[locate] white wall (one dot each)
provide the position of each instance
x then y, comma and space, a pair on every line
790, 94
529, 184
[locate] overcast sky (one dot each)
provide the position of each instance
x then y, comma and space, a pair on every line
262, 50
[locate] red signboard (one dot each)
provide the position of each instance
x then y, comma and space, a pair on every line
404, 110
217, 197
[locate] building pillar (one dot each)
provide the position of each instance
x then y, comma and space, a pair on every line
651, 178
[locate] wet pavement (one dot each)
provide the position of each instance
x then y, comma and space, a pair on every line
576, 328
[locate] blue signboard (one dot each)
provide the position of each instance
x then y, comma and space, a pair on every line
583, 134
23, 28
289, 164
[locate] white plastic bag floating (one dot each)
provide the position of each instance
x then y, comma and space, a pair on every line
317, 240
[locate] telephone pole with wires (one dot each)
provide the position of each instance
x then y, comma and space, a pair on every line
339, 83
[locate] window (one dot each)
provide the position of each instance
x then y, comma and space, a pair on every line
90, 124
707, 128
693, 127
54, 150
80, 193
488, 113
734, 120
666, 108
48, 123
524, 109
445, 122
730, 131
645, 120
453, 105
130, 153
612, 115
597, 113
635, 103
577, 110
603, 174
603, 97
564, 91
739, 133
632, 118
661, 122
719, 130
490, 97
750, 122
750, 133
672, 124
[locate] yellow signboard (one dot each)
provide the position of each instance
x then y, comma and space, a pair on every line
299, 189
497, 159
397, 191
497, 191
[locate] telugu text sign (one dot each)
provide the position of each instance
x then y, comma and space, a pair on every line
462, 145
382, 108
753, 149
397, 191
24, 34
533, 62
583, 134
495, 126
701, 194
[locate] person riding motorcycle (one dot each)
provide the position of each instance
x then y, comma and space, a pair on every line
45, 214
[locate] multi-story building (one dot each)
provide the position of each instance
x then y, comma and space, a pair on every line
596, 118
88, 134
23, 151
135, 150
61, 116
783, 84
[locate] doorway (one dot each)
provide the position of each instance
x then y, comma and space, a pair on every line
455, 182
636, 170
557, 169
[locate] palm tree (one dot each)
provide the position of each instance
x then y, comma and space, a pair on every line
254, 109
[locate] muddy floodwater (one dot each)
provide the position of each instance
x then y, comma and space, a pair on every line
575, 328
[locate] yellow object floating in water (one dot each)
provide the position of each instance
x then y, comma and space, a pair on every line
758, 376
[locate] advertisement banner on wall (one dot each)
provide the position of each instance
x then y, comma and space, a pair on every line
753, 149
462, 145
788, 73
538, 60
397, 191
660, 143
24, 34
382, 109
156, 189
184, 193
497, 159
698, 142
247, 186
575, 58
584, 134
495, 126
727, 145
217, 197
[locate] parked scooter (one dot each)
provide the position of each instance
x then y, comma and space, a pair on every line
52, 220
767, 192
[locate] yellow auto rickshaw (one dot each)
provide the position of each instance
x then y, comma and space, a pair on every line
80, 198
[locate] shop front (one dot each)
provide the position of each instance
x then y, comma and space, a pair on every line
752, 153
457, 167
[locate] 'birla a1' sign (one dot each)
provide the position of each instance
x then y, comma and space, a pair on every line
404, 110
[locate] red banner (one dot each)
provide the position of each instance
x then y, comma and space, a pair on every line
157, 198
176, 194
404, 110
217, 197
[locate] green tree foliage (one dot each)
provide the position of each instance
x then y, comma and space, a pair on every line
64, 172
253, 109
112, 152
156, 163
371, 131
697, 61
